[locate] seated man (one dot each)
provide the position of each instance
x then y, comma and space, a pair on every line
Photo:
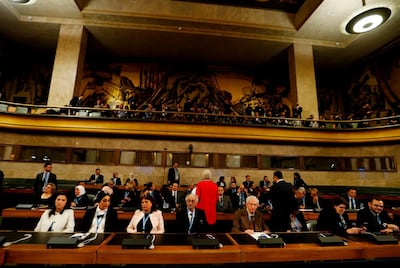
249, 219
191, 219
375, 219
313, 200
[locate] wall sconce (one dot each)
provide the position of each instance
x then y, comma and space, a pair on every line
368, 20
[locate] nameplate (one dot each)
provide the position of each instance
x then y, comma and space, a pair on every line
62, 242
382, 239
331, 240
24, 206
135, 243
271, 242
204, 243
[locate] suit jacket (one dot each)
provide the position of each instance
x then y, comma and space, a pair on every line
241, 221
179, 200
347, 198
329, 220
171, 176
199, 225
99, 180
365, 217
310, 202
117, 181
38, 184
111, 223
226, 205
283, 202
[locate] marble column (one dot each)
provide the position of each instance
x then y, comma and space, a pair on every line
68, 65
302, 79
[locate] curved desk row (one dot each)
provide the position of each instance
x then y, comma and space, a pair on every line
175, 249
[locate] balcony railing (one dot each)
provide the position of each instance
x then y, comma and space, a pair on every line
189, 117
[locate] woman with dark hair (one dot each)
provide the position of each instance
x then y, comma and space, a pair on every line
147, 219
102, 217
59, 217
333, 218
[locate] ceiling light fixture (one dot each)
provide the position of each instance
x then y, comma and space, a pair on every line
368, 20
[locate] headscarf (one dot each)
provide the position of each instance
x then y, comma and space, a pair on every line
82, 190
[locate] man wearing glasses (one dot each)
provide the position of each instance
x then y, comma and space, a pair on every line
375, 218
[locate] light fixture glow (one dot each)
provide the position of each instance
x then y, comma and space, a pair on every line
368, 20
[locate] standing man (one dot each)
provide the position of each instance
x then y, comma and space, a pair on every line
207, 191
283, 202
44, 178
173, 174
96, 178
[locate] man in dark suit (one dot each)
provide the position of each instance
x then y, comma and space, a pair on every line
351, 198
191, 220
76, 101
177, 198
43, 178
96, 178
224, 203
375, 219
283, 201
116, 179
173, 174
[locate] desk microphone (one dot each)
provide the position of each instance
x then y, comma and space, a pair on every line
26, 236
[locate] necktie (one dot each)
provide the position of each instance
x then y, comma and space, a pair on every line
252, 223
353, 203
378, 219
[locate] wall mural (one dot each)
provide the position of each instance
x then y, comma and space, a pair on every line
176, 85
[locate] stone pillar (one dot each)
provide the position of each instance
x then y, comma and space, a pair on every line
302, 79
68, 65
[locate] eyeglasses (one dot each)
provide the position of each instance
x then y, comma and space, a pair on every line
342, 207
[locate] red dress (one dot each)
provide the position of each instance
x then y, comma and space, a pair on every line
207, 191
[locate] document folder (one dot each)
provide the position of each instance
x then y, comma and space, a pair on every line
204, 243
271, 242
135, 243
382, 239
62, 242
331, 240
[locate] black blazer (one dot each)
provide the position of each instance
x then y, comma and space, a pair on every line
171, 176
199, 225
100, 179
38, 184
283, 203
329, 220
366, 218
111, 225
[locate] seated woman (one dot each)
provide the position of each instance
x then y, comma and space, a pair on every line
102, 217
148, 219
59, 218
80, 198
47, 197
333, 218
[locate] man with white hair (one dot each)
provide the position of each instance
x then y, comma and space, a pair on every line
207, 191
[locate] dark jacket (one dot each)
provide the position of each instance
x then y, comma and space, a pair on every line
182, 223
111, 225
329, 220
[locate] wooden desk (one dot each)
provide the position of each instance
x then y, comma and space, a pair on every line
35, 251
312, 251
2, 256
168, 254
